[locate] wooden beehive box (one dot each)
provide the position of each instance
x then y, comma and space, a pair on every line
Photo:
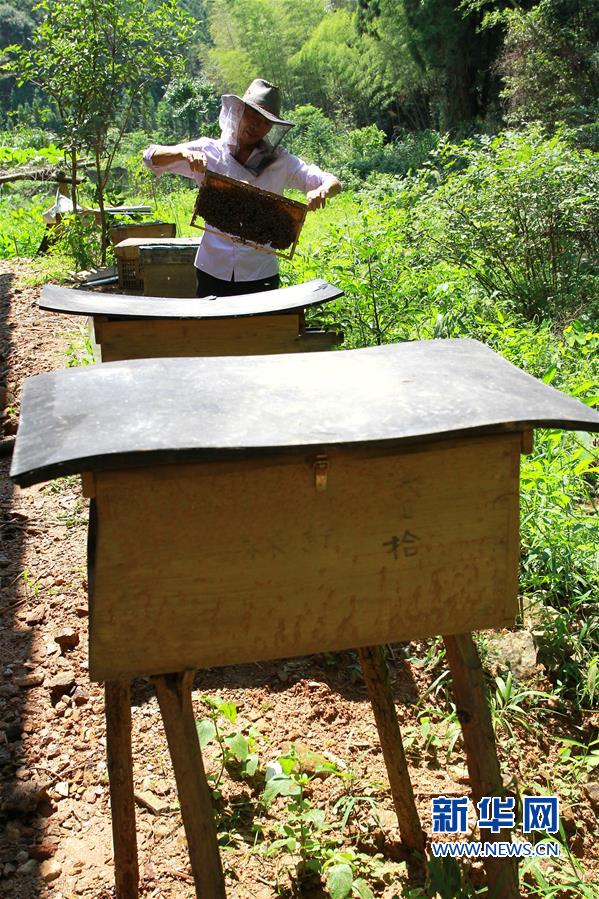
121, 232
127, 252
126, 327
247, 214
248, 509
168, 270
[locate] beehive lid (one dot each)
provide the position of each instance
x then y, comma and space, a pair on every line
151, 411
130, 247
268, 302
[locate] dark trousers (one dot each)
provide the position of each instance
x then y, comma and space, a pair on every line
209, 286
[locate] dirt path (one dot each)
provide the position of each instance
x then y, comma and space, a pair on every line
54, 814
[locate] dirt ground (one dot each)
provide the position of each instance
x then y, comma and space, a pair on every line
55, 837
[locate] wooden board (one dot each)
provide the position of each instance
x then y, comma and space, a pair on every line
167, 254
118, 233
163, 411
145, 338
218, 563
169, 279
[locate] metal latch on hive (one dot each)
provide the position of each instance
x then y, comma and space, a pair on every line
321, 472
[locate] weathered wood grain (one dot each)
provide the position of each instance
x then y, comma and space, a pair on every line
474, 714
247, 560
174, 698
117, 695
376, 678
147, 338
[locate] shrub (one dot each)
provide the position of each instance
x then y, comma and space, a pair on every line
313, 137
521, 212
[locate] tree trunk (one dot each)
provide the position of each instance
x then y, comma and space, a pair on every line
103, 222
74, 178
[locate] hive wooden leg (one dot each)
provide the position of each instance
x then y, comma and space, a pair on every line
174, 698
117, 696
481, 752
376, 678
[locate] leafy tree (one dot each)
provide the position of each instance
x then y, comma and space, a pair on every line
95, 58
198, 11
454, 58
343, 72
256, 39
193, 107
17, 26
411, 87
550, 63
520, 211
313, 137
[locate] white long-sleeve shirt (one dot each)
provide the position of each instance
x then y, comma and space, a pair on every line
216, 255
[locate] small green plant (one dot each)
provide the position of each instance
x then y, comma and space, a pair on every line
579, 760
306, 835
430, 654
557, 879
438, 731
79, 349
17, 156
78, 238
21, 227
347, 806
31, 584
235, 747
513, 704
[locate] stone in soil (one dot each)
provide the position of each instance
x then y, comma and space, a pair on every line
30, 680
13, 732
29, 867
23, 798
67, 638
592, 791
44, 850
36, 615
60, 684
151, 802
50, 870
514, 650
80, 696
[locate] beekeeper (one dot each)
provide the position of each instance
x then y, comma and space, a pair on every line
247, 150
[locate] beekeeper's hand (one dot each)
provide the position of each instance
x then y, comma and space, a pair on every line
198, 162
317, 198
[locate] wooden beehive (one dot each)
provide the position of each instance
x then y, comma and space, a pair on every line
247, 214
398, 546
125, 327
168, 270
248, 509
127, 252
121, 232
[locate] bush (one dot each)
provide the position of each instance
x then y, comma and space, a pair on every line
550, 62
21, 228
458, 250
357, 154
313, 137
521, 212
24, 137
78, 240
